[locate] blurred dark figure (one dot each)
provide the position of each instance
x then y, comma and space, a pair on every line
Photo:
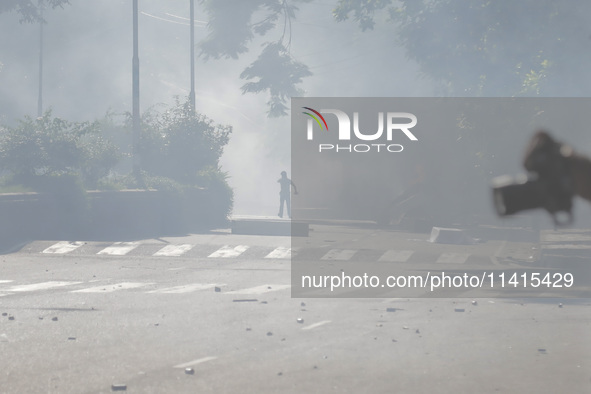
285, 193
556, 174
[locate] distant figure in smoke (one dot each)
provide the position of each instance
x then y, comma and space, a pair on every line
285, 193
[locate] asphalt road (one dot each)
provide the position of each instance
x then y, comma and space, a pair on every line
81, 317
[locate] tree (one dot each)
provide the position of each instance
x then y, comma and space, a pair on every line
275, 71
489, 48
28, 11
180, 143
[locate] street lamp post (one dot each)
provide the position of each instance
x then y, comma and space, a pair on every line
192, 22
136, 93
40, 98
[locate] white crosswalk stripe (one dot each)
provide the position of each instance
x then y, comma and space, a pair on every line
174, 250
453, 258
339, 254
186, 288
228, 251
396, 256
281, 252
259, 289
119, 248
112, 287
41, 286
63, 247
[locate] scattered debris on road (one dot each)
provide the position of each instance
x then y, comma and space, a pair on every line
189, 371
300, 320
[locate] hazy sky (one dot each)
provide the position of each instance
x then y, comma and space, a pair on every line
87, 71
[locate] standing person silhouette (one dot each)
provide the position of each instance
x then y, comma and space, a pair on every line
285, 193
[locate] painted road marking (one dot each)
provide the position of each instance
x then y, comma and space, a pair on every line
195, 362
112, 288
312, 326
63, 247
174, 250
41, 286
453, 258
6, 281
119, 248
228, 251
339, 254
280, 253
396, 256
259, 289
186, 288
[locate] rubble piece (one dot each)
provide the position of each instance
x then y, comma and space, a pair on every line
217, 289
302, 304
10, 317
560, 305
454, 236
71, 338
189, 371
405, 327
300, 320
54, 318
269, 333
245, 300
474, 302
248, 329
390, 309
118, 387
4, 314
541, 350
459, 310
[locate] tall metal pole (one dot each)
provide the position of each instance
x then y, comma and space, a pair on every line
40, 98
192, 94
136, 93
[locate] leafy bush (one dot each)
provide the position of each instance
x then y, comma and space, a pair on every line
180, 143
222, 194
50, 147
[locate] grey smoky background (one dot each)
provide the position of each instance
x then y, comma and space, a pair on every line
441, 180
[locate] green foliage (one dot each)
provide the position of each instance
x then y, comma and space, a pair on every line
216, 180
278, 73
51, 147
489, 48
230, 32
179, 143
363, 11
29, 10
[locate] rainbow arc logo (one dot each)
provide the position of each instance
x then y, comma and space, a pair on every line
315, 118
